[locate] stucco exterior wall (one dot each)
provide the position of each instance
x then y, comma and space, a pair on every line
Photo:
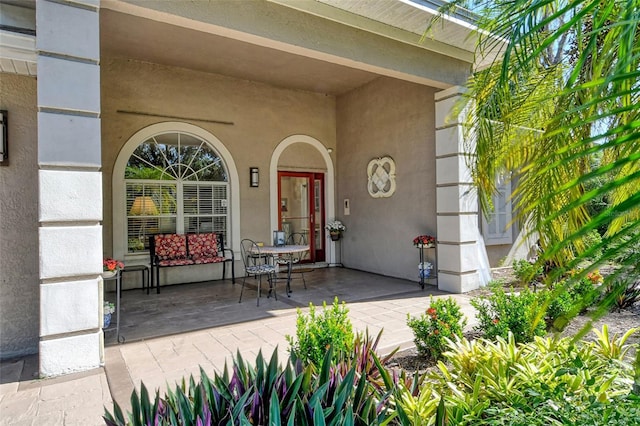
301, 156
386, 118
497, 254
262, 117
19, 284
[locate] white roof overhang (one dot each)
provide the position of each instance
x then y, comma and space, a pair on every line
17, 37
17, 53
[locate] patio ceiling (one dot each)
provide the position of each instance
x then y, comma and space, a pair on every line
248, 50
149, 40
323, 46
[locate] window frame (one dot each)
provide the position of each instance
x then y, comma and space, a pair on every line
505, 236
175, 170
116, 224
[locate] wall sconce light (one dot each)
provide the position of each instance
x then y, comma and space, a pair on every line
254, 177
4, 140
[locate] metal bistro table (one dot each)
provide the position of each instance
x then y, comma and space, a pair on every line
287, 251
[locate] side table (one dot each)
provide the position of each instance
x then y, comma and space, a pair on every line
145, 274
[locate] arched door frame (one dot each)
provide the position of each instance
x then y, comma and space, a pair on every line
118, 190
330, 194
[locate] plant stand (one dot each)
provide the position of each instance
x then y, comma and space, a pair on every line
338, 248
433, 275
116, 277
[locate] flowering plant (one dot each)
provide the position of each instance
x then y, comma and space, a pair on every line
335, 226
595, 277
424, 240
112, 265
443, 320
108, 308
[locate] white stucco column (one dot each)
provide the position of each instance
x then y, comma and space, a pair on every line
70, 185
456, 198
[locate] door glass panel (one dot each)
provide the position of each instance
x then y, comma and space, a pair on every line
294, 205
317, 215
302, 209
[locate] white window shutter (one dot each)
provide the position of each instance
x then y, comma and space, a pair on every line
496, 225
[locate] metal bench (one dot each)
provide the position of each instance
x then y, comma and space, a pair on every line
172, 250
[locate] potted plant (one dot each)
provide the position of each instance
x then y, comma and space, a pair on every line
424, 241
108, 309
335, 228
110, 267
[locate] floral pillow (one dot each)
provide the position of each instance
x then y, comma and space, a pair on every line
170, 246
203, 246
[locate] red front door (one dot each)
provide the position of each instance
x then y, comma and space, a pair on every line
301, 209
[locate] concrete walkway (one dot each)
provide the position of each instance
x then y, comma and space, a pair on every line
79, 399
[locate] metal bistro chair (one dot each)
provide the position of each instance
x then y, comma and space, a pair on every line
298, 239
255, 264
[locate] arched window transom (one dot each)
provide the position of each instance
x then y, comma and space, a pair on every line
175, 183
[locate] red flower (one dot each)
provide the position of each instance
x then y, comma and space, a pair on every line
110, 264
425, 240
594, 277
496, 320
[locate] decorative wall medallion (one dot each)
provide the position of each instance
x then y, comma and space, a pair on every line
382, 177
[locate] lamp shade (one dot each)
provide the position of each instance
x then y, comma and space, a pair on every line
143, 206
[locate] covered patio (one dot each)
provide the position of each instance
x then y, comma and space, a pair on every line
217, 112
171, 335
190, 307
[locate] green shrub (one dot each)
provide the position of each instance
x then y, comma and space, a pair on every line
560, 305
493, 284
317, 332
552, 379
591, 240
500, 313
568, 298
442, 320
583, 291
526, 271
621, 411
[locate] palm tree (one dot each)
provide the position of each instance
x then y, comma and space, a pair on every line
560, 110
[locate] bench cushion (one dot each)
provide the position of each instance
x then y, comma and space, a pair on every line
170, 247
203, 260
176, 262
203, 246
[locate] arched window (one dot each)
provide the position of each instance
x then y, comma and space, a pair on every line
174, 183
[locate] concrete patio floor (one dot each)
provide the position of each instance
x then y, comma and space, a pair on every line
171, 335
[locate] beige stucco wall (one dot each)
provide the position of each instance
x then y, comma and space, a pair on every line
497, 255
386, 118
301, 156
19, 285
262, 117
